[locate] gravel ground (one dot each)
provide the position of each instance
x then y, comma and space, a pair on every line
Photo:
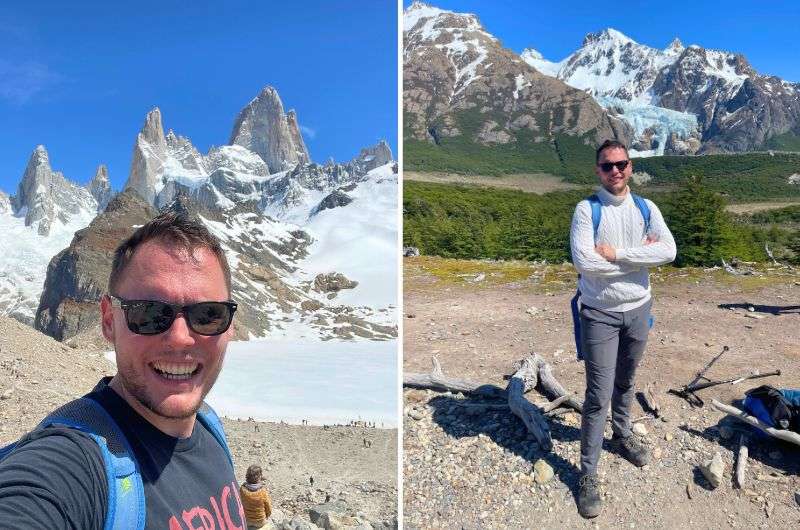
468, 462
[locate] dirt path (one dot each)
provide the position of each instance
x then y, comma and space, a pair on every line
752, 207
464, 469
538, 183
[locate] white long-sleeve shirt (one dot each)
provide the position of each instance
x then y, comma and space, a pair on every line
624, 284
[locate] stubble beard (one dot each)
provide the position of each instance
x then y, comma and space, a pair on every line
137, 389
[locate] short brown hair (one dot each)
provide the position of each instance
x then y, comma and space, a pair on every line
610, 144
176, 228
253, 475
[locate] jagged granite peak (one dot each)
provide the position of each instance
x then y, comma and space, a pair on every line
33, 190
149, 154
453, 67
264, 128
100, 187
181, 149
45, 196
372, 157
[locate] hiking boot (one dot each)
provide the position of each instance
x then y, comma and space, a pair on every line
632, 450
589, 503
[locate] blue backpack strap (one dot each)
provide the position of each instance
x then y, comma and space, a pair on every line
211, 421
126, 502
594, 203
644, 209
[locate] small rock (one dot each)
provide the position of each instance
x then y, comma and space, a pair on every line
657, 453
797, 496
415, 414
668, 437
640, 429
411, 315
543, 471
532, 310
751, 308
713, 470
689, 489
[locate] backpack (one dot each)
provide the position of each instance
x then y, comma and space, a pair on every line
779, 408
594, 202
126, 502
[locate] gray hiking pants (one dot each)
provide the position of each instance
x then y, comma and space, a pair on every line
613, 344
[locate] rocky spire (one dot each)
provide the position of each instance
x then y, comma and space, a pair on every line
263, 128
100, 187
33, 191
297, 138
149, 152
375, 156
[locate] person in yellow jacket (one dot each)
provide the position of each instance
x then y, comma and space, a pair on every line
255, 499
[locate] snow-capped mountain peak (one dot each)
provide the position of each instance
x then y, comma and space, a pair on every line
607, 35
675, 47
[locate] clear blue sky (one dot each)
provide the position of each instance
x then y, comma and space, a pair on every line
767, 33
79, 77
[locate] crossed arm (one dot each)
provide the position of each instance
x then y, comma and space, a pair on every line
602, 259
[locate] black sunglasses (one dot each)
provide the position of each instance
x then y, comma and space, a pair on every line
150, 317
620, 164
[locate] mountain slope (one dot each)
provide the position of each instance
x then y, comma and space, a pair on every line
679, 99
463, 92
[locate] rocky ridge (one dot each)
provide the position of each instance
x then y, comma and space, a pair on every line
724, 105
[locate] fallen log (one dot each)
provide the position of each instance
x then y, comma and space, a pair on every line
436, 380
781, 434
531, 372
521, 382
741, 461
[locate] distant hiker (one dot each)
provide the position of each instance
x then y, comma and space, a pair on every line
255, 499
615, 237
141, 450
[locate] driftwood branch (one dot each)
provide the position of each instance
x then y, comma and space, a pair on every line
531, 372
787, 436
521, 382
741, 461
436, 380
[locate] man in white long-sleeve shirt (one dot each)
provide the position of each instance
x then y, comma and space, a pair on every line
615, 306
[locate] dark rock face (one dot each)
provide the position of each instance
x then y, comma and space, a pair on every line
78, 275
333, 200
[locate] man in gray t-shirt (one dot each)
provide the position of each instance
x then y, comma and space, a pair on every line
615, 309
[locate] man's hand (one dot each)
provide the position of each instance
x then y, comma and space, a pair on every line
607, 251
651, 238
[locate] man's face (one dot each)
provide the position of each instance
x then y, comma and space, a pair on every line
615, 181
159, 272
